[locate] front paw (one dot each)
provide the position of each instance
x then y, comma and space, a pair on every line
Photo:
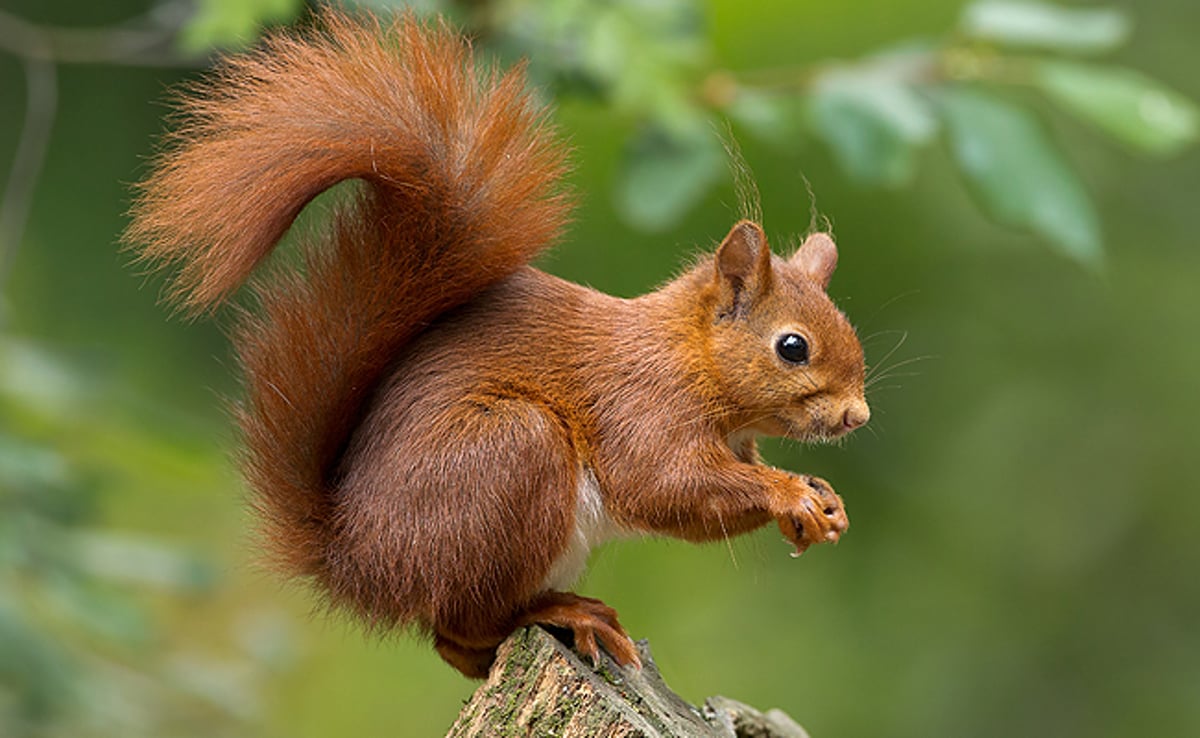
815, 513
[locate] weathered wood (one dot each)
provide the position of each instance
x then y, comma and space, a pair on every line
539, 687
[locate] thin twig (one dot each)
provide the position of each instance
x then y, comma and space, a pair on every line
146, 40
143, 41
41, 79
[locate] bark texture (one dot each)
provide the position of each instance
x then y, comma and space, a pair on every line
539, 687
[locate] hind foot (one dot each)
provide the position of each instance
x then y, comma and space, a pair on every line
591, 622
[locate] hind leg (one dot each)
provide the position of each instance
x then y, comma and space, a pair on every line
472, 662
591, 623
487, 531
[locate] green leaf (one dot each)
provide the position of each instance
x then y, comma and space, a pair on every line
36, 672
1021, 177
25, 465
123, 559
1124, 103
764, 115
873, 123
421, 7
665, 174
1041, 25
38, 382
101, 611
605, 47
233, 23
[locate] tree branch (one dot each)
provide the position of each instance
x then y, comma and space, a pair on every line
41, 96
146, 40
539, 687
143, 41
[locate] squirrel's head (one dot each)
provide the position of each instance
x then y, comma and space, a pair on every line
785, 356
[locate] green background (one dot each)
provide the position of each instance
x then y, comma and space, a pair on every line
1023, 554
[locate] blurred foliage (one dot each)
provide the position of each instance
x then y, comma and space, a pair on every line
651, 61
232, 23
1022, 554
79, 638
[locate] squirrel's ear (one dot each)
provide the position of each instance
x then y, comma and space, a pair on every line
817, 257
743, 264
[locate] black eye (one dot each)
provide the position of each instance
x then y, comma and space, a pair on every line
792, 348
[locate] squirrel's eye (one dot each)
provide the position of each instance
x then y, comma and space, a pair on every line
792, 348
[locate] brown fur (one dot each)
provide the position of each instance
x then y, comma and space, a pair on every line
421, 407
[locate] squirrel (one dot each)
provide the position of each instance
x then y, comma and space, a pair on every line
434, 432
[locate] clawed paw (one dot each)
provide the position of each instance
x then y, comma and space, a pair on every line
592, 624
816, 516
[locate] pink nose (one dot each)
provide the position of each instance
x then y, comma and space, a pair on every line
856, 415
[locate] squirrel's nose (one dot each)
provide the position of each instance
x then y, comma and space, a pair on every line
857, 414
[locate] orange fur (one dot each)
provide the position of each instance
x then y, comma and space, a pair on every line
429, 422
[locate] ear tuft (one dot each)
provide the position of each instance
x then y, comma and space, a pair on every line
817, 257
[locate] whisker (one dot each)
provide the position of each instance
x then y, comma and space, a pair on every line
808, 378
889, 354
877, 334
892, 370
718, 413
703, 417
911, 360
891, 375
751, 422
728, 542
890, 302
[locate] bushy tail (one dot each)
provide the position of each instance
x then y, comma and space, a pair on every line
461, 180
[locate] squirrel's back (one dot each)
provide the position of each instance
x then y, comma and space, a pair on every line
459, 175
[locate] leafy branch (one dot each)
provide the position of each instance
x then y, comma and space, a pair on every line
876, 114
975, 89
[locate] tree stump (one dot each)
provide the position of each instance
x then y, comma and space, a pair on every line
539, 687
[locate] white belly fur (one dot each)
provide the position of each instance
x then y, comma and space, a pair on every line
593, 526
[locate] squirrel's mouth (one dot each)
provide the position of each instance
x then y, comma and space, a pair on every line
813, 430
807, 429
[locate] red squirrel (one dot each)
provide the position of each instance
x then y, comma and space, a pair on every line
434, 432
